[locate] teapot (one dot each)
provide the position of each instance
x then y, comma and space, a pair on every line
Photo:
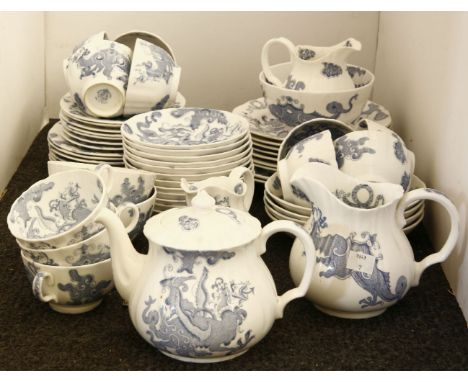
314, 68
364, 262
203, 293
235, 190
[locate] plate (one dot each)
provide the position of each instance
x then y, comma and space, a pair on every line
264, 124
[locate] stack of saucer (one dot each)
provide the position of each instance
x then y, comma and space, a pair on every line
79, 137
189, 143
277, 208
268, 131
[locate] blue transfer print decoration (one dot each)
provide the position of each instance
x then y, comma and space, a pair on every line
39, 257
306, 54
161, 104
161, 67
222, 201
188, 223
352, 199
349, 149
353, 70
229, 213
130, 193
331, 70
398, 149
276, 183
83, 289
291, 112
373, 108
103, 95
405, 181
294, 84
87, 254
188, 258
335, 250
298, 192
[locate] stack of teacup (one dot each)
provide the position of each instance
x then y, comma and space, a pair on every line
107, 82
359, 161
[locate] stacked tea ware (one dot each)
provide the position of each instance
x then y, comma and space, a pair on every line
190, 143
317, 82
65, 252
373, 154
108, 81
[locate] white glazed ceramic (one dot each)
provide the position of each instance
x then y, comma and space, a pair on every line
235, 191
127, 185
70, 290
376, 155
185, 127
153, 80
314, 68
129, 38
202, 294
145, 210
97, 74
59, 210
364, 261
293, 107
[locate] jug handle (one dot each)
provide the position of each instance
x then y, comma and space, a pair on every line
39, 279
306, 240
436, 196
266, 61
246, 174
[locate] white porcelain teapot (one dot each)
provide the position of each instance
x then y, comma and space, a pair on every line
203, 293
314, 68
365, 263
235, 190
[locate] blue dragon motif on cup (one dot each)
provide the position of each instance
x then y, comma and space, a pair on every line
83, 289
349, 149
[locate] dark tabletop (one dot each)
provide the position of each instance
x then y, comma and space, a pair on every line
424, 331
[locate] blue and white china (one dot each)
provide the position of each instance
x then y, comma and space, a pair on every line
316, 148
235, 191
202, 293
376, 154
315, 69
364, 262
185, 127
126, 185
97, 76
129, 38
70, 290
153, 80
293, 107
145, 211
59, 210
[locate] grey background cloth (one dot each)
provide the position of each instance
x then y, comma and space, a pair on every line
424, 331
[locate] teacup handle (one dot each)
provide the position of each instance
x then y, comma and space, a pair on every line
104, 170
306, 240
37, 288
136, 214
436, 196
266, 67
248, 178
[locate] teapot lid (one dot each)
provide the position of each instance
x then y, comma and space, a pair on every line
204, 226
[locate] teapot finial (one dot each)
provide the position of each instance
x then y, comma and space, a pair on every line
203, 200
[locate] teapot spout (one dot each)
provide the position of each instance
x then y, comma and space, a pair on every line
127, 263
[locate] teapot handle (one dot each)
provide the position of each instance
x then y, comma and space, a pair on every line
436, 196
306, 240
246, 174
37, 287
266, 61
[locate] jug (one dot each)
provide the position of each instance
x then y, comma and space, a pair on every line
364, 261
235, 190
314, 68
203, 293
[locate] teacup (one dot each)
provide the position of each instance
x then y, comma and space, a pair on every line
294, 107
70, 290
315, 148
153, 80
127, 185
97, 75
58, 210
129, 39
375, 155
145, 211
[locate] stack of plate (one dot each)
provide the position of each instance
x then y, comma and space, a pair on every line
268, 132
277, 208
79, 137
189, 143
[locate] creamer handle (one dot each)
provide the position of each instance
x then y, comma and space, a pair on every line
266, 61
248, 178
306, 240
436, 196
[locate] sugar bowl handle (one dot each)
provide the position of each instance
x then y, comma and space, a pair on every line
436, 196
306, 240
266, 67
37, 287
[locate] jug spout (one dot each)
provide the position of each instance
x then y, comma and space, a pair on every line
341, 51
127, 263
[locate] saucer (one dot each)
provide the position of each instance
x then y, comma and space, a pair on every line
266, 125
